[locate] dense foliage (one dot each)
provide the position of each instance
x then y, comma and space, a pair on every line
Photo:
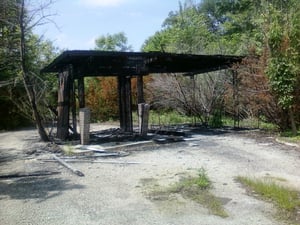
265, 85
22, 55
113, 42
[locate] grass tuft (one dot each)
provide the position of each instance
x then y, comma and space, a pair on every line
285, 199
68, 150
288, 136
202, 181
196, 189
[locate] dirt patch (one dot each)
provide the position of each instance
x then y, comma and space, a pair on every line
190, 188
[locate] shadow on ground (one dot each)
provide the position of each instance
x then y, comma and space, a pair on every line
6, 155
39, 188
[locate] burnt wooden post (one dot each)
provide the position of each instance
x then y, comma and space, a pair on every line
120, 95
140, 89
125, 110
81, 94
73, 99
63, 104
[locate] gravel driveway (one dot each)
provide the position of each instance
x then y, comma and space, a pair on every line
116, 190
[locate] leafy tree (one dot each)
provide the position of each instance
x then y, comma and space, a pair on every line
188, 30
184, 31
102, 98
267, 30
22, 86
102, 92
113, 42
282, 37
214, 17
158, 42
9, 62
267, 82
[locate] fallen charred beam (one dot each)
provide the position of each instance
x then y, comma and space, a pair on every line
164, 139
92, 161
77, 172
26, 174
167, 132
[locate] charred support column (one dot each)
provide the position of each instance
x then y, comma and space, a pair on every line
81, 94
73, 100
63, 104
125, 110
140, 89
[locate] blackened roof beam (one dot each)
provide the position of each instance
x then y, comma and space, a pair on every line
102, 63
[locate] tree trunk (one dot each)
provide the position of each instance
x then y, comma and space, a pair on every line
25, 76
38, 121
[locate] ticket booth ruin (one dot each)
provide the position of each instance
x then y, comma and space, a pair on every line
73, 66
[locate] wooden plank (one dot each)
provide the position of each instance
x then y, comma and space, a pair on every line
27, 174
62, 162
91, 161
129, 145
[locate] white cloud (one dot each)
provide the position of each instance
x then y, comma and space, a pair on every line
101, 3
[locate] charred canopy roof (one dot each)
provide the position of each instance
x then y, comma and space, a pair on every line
103, 63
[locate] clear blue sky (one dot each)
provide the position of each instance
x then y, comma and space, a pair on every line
80, 22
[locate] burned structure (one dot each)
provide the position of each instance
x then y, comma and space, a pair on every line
73, 66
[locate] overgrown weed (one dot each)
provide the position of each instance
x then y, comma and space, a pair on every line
194, 188
286, 200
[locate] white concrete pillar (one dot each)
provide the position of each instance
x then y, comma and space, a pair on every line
143, 111
84, 119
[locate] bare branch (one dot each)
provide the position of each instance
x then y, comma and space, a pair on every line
38, 15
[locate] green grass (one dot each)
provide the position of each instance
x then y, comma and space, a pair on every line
250, 123
285, 199
201, 181
288, 136
168, 118
68, 150
196, 189
165, 118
